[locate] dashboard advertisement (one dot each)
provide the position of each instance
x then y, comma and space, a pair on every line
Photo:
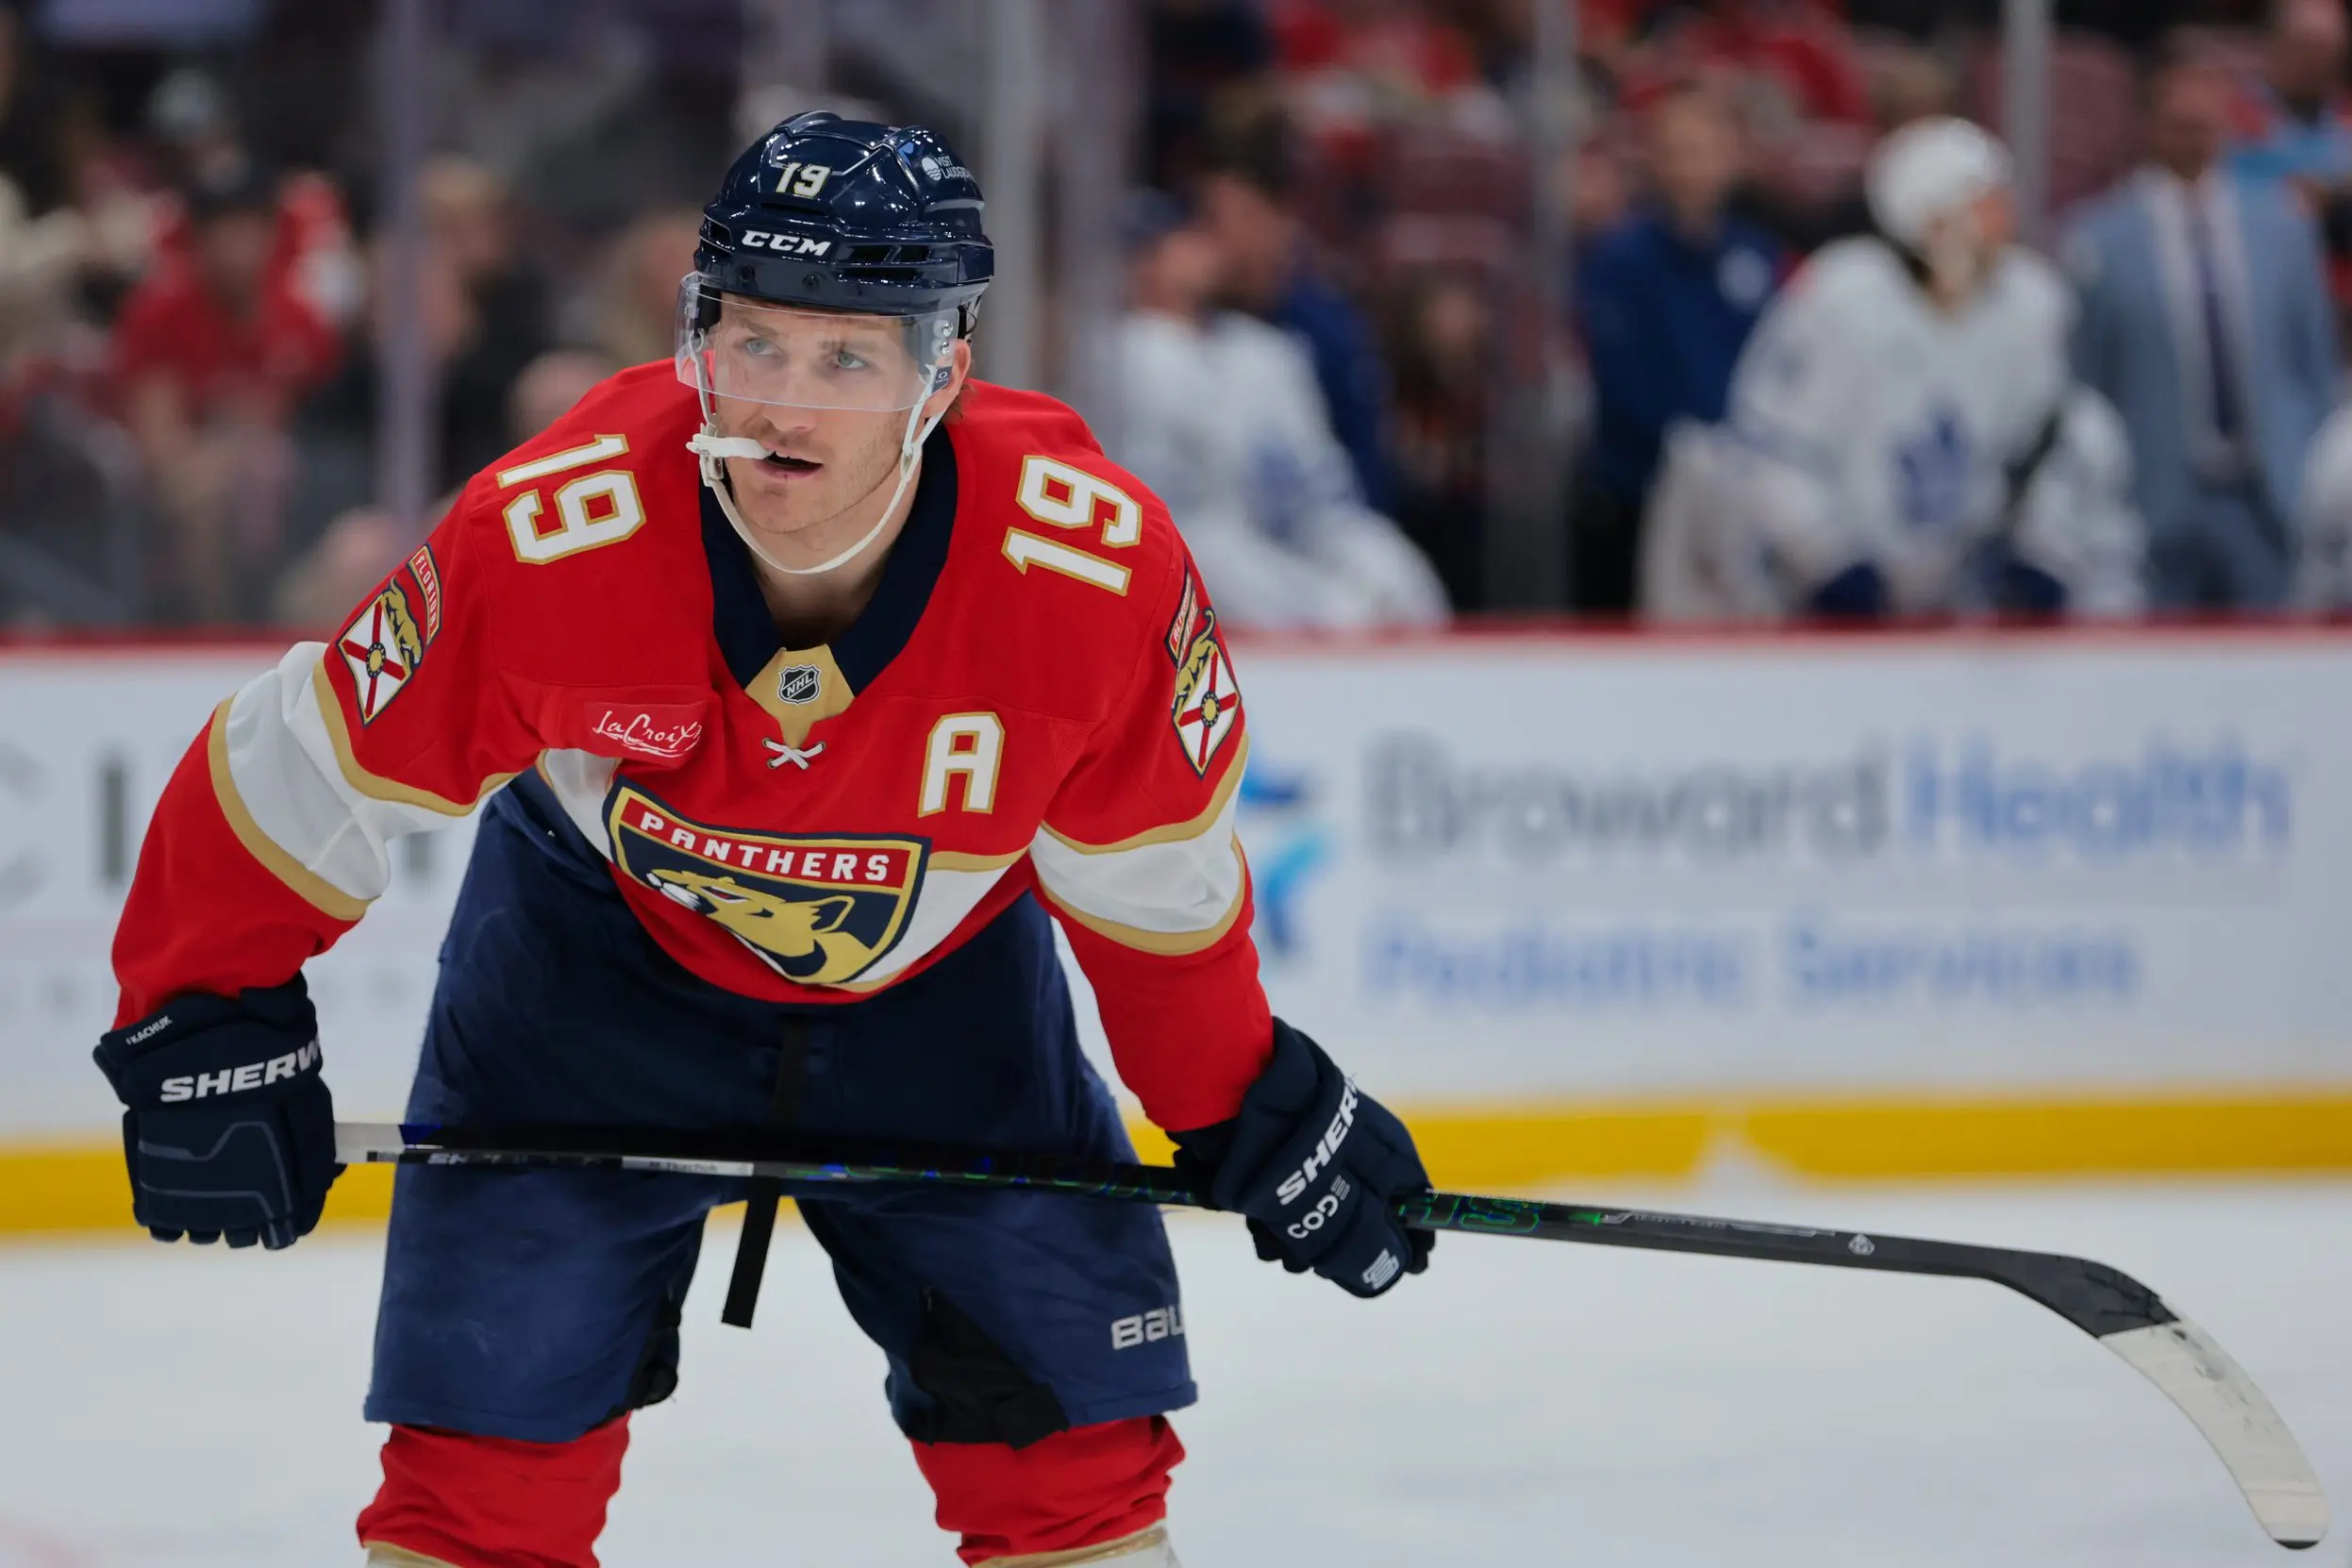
1491, 868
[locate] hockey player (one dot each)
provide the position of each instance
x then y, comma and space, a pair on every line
2323, 572
1904, 434
802, 680
1222, 417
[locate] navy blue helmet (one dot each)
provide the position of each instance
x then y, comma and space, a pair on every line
835, 215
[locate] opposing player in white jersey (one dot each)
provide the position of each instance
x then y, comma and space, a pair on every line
2324, 578
1220, 415
1905, 437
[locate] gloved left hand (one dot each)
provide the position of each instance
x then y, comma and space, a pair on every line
229, 1130
1318, 1166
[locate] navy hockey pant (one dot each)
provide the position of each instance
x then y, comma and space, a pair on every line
540, 1305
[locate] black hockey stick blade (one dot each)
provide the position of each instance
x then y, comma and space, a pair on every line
2180, 1359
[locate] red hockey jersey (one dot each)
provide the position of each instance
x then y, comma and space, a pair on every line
1037, 697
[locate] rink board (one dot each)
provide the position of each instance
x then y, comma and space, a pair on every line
1889, 904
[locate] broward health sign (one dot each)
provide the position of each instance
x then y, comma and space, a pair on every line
1575, 865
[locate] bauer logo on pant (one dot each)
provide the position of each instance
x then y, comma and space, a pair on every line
817, 910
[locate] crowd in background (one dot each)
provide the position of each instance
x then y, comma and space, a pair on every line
1333, 221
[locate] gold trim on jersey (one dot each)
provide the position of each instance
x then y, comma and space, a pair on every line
383, 1554
1164, 943
796, 719
1177, 832
375, 786
950, 860
312, 888
1153, 1540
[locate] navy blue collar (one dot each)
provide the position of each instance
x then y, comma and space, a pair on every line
746, 632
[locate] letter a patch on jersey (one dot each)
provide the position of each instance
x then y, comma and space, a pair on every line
386, 643
1208, 699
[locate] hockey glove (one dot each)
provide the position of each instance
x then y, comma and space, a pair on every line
1318, 1167
2023, 589
1857, 593
231, 1131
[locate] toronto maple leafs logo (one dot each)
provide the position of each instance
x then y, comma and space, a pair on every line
1932, 473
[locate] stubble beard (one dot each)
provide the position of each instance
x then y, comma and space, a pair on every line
830, 515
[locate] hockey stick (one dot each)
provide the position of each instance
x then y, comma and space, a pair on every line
2178, 1357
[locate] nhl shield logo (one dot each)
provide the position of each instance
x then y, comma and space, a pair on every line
382, 649
817, 910
799, 683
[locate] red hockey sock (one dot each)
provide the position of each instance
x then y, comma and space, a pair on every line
1077, 1489
483, 1502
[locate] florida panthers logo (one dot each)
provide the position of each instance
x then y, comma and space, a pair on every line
817, 910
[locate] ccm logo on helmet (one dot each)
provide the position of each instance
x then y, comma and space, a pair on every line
784, 244
1294, 1185
231, 1080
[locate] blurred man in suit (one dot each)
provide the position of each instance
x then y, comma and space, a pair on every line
2205, 319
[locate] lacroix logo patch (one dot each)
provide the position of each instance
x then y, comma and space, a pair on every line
667, 732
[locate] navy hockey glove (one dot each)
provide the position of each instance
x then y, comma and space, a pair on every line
231, 1131
2023, 589
1857, 593
1318, 1167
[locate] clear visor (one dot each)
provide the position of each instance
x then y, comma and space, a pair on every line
732, 347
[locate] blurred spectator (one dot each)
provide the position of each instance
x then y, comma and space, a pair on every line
35, 122
349, 557
311, 253
1245, 201
2205, 319
2293, 121
1220, 414
211, 351
478, 360
1200, 50
39, 259
1903, 437
1355, 67
1443, 343
632, 314
548, 387
1907, 84
360, 544
1665, 300
196, 129
469, 221
1788, 60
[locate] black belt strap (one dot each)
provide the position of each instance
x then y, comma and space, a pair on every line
751, 1253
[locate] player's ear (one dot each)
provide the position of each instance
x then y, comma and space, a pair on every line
959, 371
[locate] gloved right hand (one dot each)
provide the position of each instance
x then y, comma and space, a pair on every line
1318, 1167
229, 1130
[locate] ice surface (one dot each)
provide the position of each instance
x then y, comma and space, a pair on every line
1523, 1405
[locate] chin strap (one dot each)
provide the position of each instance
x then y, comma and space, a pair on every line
712, 450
